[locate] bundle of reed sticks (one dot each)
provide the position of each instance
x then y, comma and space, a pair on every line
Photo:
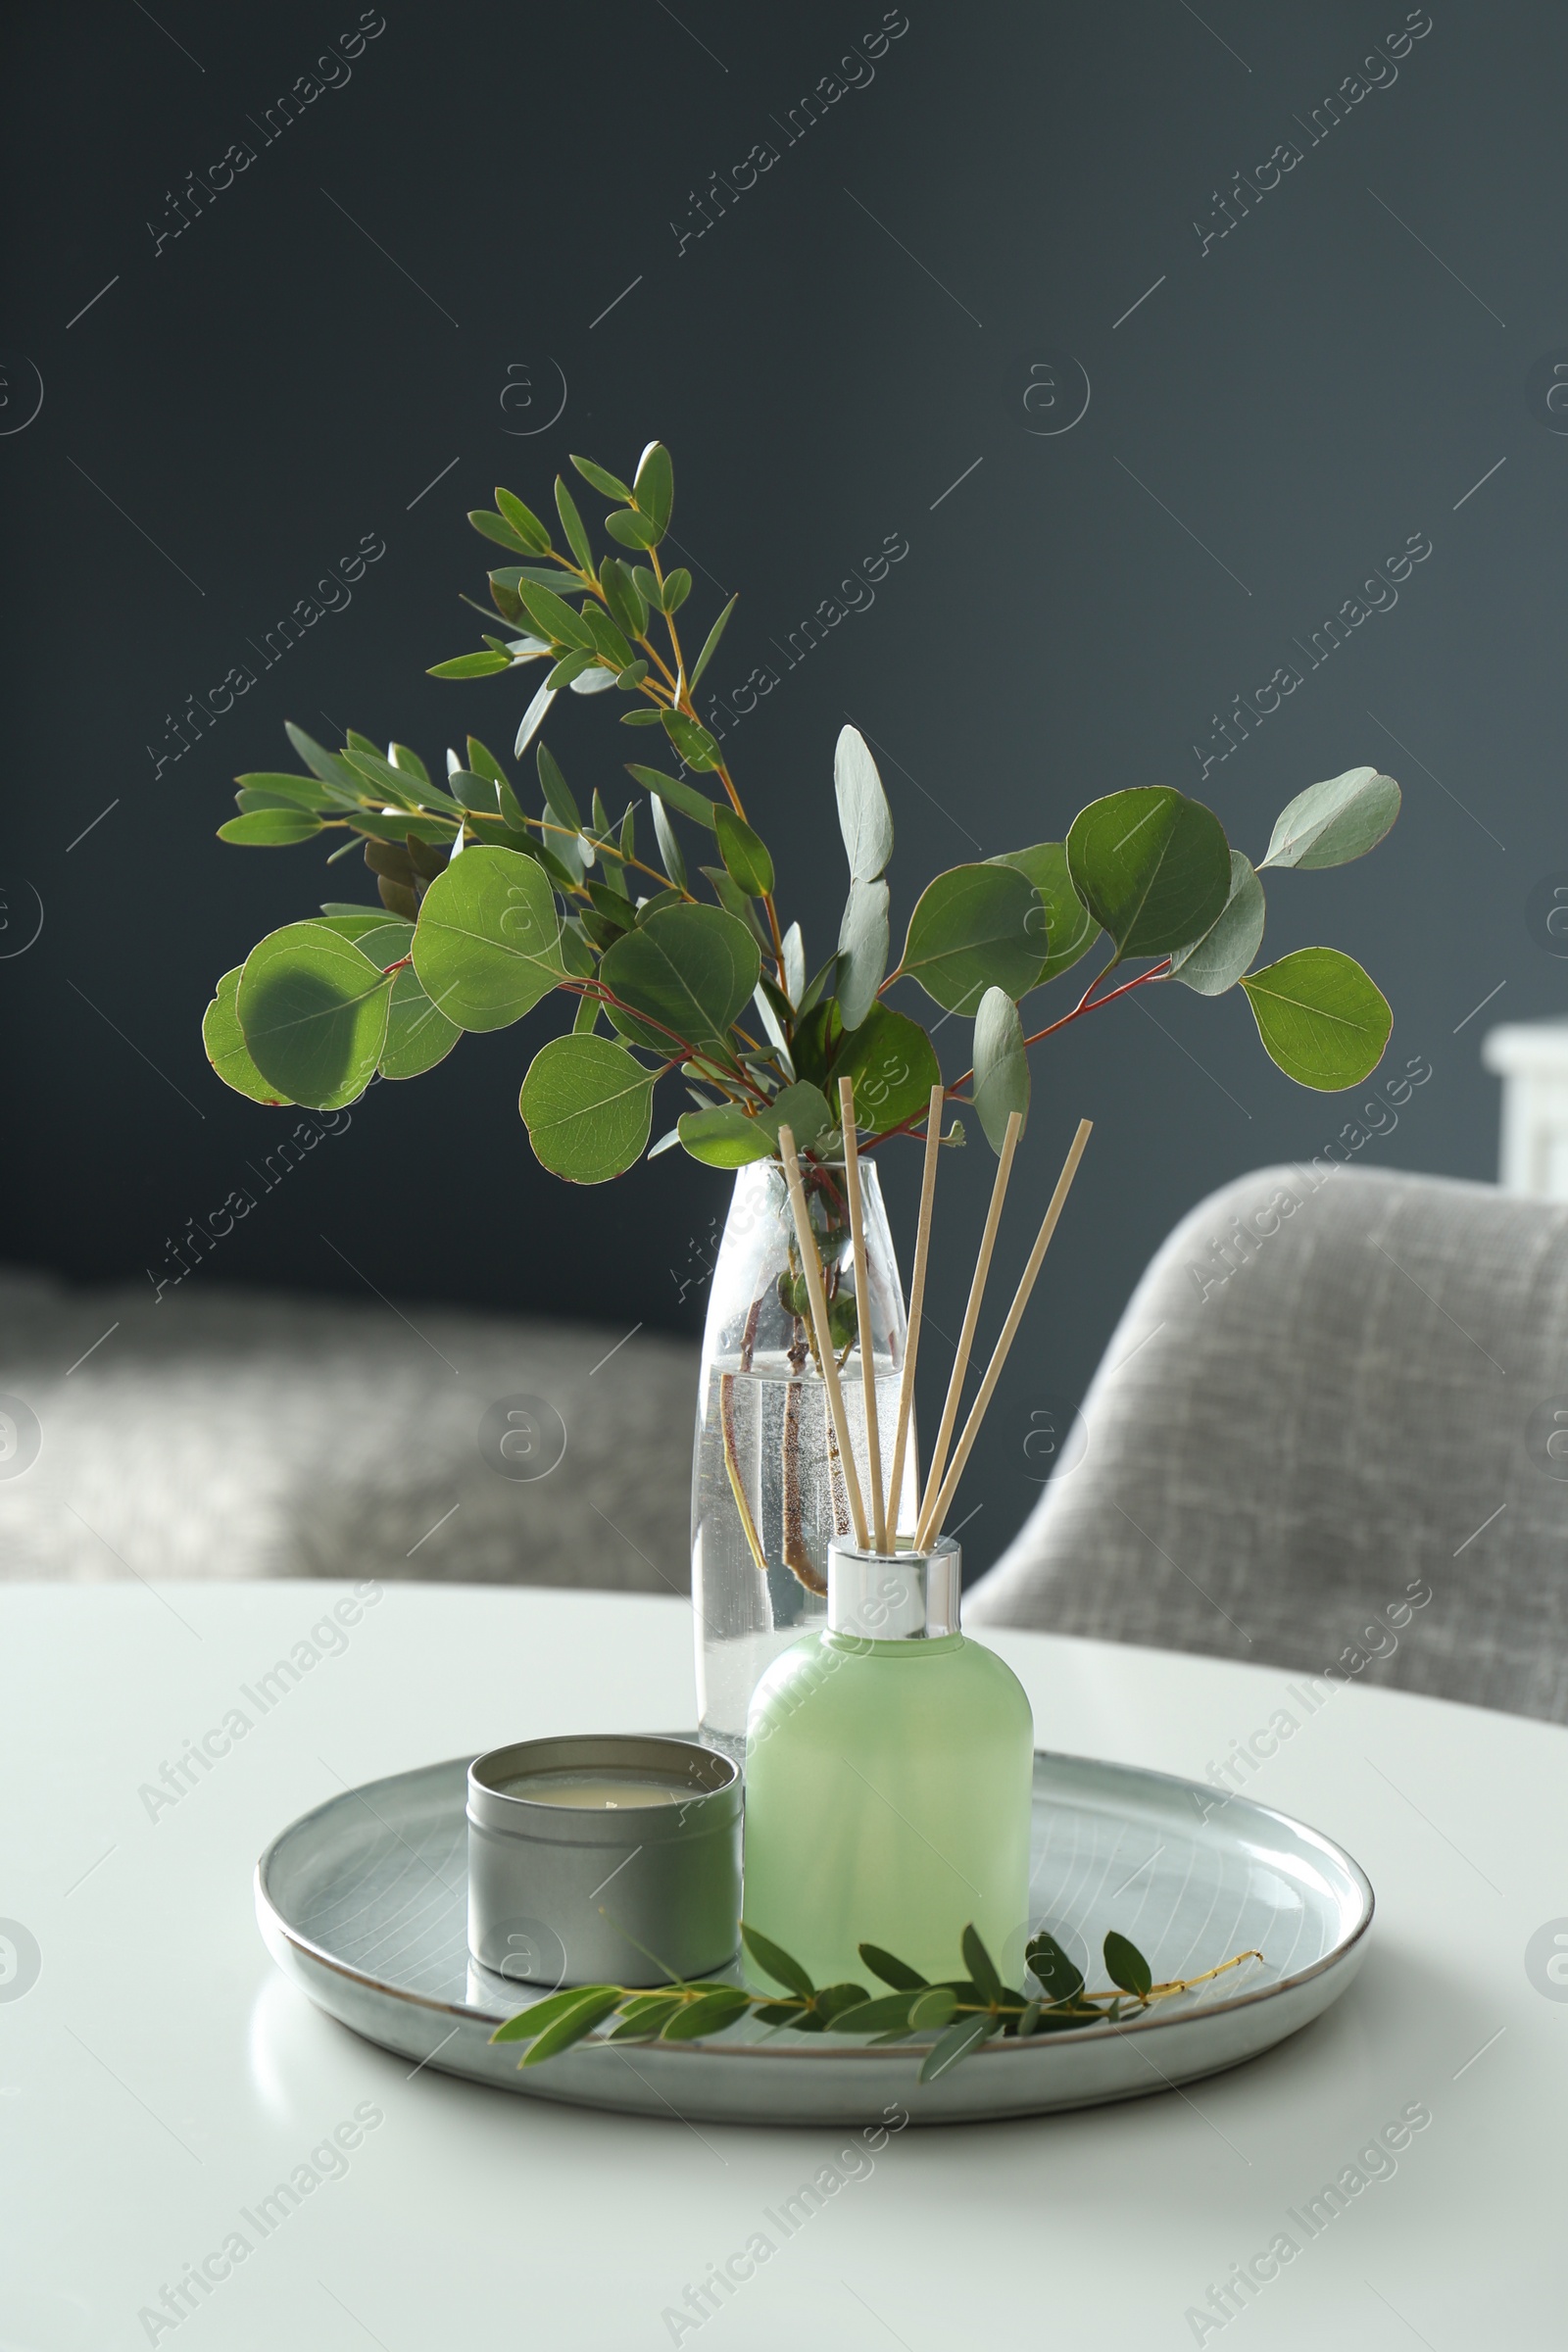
875, 1533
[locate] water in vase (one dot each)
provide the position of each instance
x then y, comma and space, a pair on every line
767, 1484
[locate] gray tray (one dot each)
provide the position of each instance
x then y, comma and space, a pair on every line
363, 1904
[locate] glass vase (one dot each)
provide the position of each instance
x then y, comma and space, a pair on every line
768, 1486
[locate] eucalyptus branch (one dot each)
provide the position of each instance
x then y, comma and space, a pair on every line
961, 2013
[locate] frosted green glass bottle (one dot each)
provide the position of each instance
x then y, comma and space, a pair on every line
889, 1764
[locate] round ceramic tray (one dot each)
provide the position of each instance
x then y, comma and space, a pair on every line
363, 1904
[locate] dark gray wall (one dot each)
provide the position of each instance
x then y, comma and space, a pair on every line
846, 353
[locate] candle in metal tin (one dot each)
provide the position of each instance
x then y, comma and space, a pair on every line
604, 1859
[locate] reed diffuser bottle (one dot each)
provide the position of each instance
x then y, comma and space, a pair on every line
889, 1764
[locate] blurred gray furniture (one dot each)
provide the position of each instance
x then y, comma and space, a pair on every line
227, 1433
1332, 1392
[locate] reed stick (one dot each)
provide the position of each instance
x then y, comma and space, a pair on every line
863, 1311
811, 1267
971, 1316
932, 1517
911, 1337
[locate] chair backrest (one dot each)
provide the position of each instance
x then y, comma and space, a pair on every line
1330, 1434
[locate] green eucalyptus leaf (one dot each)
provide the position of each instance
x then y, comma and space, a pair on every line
834, 2000
555, 618
313, 1010
775, 1962
655, 487
724, 1137
496, 527
727, 1137
1320, 1017
323, 764
931, 2010
1069, 930
1062, 1981
588, 1105
710, 2013
572, 523
1217, 960
488, 943
471, 665
744, 854
623, 596
291, 792
609, 485
631, 528
1126, 1966
711, 644
862, 949
865, 818
982, 1968
1000, 1066
560, 798
418, 1035
891, 1969
975, 928
684, 796
227, 1050
694, 743
269, 828
678, 588
1152, 868
1331, 823
961, 2037
524, 522
670, 849
530, 2023
894, 1067
690, 969
593, 2003
888, 2013
644, 2021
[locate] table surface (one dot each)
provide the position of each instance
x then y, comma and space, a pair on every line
158, 2078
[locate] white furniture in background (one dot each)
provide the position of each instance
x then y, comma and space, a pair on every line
160, 2079
1532, 1060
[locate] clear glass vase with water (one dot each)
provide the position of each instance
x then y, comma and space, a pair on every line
768, 1486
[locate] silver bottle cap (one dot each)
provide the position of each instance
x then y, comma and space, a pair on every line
900, 1597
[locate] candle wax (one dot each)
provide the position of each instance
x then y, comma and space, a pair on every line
592, 1791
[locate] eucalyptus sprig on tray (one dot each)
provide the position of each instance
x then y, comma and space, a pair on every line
686, 971
963, 2012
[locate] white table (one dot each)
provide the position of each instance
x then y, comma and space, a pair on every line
160, 2077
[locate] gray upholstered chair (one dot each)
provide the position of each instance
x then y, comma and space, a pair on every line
1330, 1432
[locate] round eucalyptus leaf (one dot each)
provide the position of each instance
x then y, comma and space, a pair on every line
312, 1008
863, 951
418, 1035
227, 1050
1331, 823
893, 1066
865, 818
724, 1137
690, 969
588, 1105
1152, 868
975, 928
1217, 960
1069, 930
1000, 1066
488, 943
1320, 1017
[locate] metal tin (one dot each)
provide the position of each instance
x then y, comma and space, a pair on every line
895, 1596
559, 1894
